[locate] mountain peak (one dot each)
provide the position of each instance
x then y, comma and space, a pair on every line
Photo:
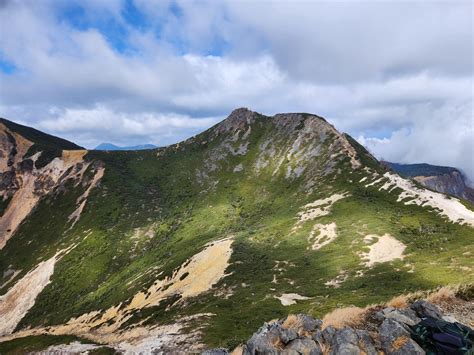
238, 119
241, 111
242, 117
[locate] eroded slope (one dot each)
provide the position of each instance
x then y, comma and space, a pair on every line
299, 200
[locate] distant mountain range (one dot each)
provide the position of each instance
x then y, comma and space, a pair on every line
422, 169
110, 146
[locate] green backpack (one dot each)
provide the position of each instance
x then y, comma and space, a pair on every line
438, 337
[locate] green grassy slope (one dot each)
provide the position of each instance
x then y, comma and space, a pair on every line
210, 187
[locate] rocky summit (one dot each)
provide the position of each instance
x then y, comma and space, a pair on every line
193, 246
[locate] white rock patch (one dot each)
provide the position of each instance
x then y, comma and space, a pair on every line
327, 233
338, 280
197, 275
450, 207
72, 348
25, 199
374, 182
317, 209
287, 299
238, 168
385, 249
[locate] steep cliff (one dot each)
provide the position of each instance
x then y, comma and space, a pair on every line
442, 179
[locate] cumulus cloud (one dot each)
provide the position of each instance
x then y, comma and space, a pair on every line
440, 141
396, 75
86, 124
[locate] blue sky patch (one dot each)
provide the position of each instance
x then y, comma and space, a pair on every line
6, 66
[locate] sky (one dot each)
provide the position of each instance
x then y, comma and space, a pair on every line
396, 75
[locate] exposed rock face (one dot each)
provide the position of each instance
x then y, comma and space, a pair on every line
426, 309
302, 334
451, 184
442, 179
294, 145
290, 334
23, 184
395, 339
257, 215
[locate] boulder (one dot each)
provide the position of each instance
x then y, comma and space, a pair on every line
304, 346
309, 323
366, 343
26, 165
328, 334
395, 339
405, 316
425, 309
318, 336
265, 340
345, 342
287, 335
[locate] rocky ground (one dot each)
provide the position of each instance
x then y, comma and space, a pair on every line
374, 330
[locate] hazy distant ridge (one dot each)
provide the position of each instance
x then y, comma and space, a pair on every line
110, 146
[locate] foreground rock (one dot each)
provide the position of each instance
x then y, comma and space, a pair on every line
380, 331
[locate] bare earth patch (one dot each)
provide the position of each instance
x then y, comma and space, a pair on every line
27, 196
338, 280
385, 249
317, 209
197, 275
21, 297
327, 233
450, 207
22, 146
287, 299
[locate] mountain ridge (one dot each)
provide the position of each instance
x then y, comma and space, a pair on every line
274, 214
39, 137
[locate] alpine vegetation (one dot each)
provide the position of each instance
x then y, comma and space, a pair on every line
195, 245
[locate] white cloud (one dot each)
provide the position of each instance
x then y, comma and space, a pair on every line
443, 139
396, 74
89, 126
